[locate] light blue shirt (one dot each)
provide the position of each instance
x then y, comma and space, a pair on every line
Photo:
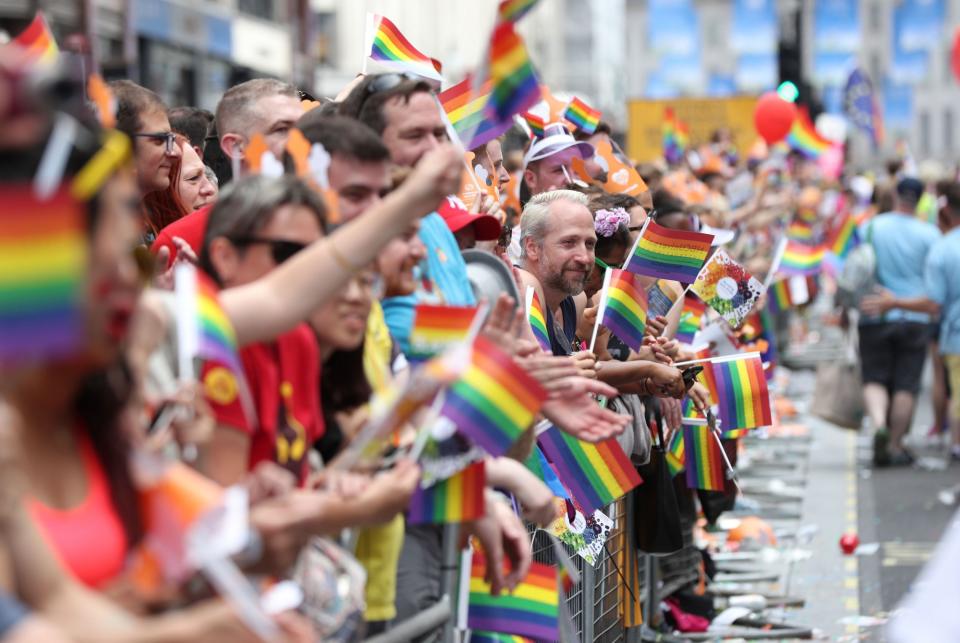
943, 286
901, 243
444, 280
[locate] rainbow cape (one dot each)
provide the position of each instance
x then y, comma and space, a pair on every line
844, 237
742, 395
436, 328
494, 400
691, 318
704, 462
465, 108
458, 498
595, 474
537, 320
624, 309
389, 47
582, 116
676, 460
804, 138
532, 609
801, 259
43, 264
669, 254
37, 42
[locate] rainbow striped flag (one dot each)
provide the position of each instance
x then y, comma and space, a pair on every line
669, 254
531, 610
742, 395
436, 328
494, 400
676, 460
844, 237
801, 259
704, 462
735, 434
800, 230
673, 146
804, 138
582, 116
779, 297
389, 47
691, 318
624, 308
464, 107
595, 474
535, 123
37, 42
458, 498
218, 339
515, 87
537, 320
513, 10
494, 637
43, 265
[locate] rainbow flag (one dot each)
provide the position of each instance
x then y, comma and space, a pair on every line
535, 123
436, 328
704, 462
515, 87
804, 138
531, 610
494, 637
676, 460
43, 265
779, 297
464, 107
800, 230
742, 395
513, 10
537, 320
735, 434
582, 116
494, 400
691, 318
624, 309
673, 147
844, 237
595, 474
669, 254
37, 41
458, 498
390, 47
218, 339
801, 259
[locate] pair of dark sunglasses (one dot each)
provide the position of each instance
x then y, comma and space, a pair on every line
280, 249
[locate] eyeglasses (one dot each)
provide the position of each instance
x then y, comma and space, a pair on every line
169, 139
280, 249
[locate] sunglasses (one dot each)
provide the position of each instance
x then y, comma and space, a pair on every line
169, 139
384, 83
280, 249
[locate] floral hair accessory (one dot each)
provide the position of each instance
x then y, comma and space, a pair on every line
606, 222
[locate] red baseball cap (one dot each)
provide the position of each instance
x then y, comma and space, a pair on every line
455, 213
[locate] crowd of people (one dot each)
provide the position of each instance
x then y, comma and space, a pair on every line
321, 287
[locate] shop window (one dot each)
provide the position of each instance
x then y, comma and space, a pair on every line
260, 8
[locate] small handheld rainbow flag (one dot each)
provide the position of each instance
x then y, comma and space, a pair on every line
625, 309
494, 400
673, 146
676, 460
43, 262
389, 47
513, 10
458, 498
494, 637
742, 395
595, 474
669, 254
779, 297
515, 87
37, 42
801, 259
805, 138
691, 319
582, 116
464, 107
436, 328
704, 462
535, 123
218, 339
844, 237
538, 321
800, 230
531, 610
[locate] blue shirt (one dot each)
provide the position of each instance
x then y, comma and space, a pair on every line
444, 280
943, 286
901, 243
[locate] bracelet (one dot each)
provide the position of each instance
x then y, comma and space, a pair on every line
341, 261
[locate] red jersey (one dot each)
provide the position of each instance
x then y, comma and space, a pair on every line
190, 228
284, 378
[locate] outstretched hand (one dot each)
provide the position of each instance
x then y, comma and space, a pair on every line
574, 411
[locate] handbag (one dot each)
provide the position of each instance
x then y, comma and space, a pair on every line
657, 515
838, 393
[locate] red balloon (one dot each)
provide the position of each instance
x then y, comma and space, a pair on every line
955, 55
773, 117
849, 543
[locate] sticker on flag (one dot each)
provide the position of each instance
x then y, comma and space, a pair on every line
728, 288
585, 533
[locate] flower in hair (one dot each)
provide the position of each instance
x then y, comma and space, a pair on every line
606, 222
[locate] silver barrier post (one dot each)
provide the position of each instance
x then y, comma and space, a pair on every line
449, 585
